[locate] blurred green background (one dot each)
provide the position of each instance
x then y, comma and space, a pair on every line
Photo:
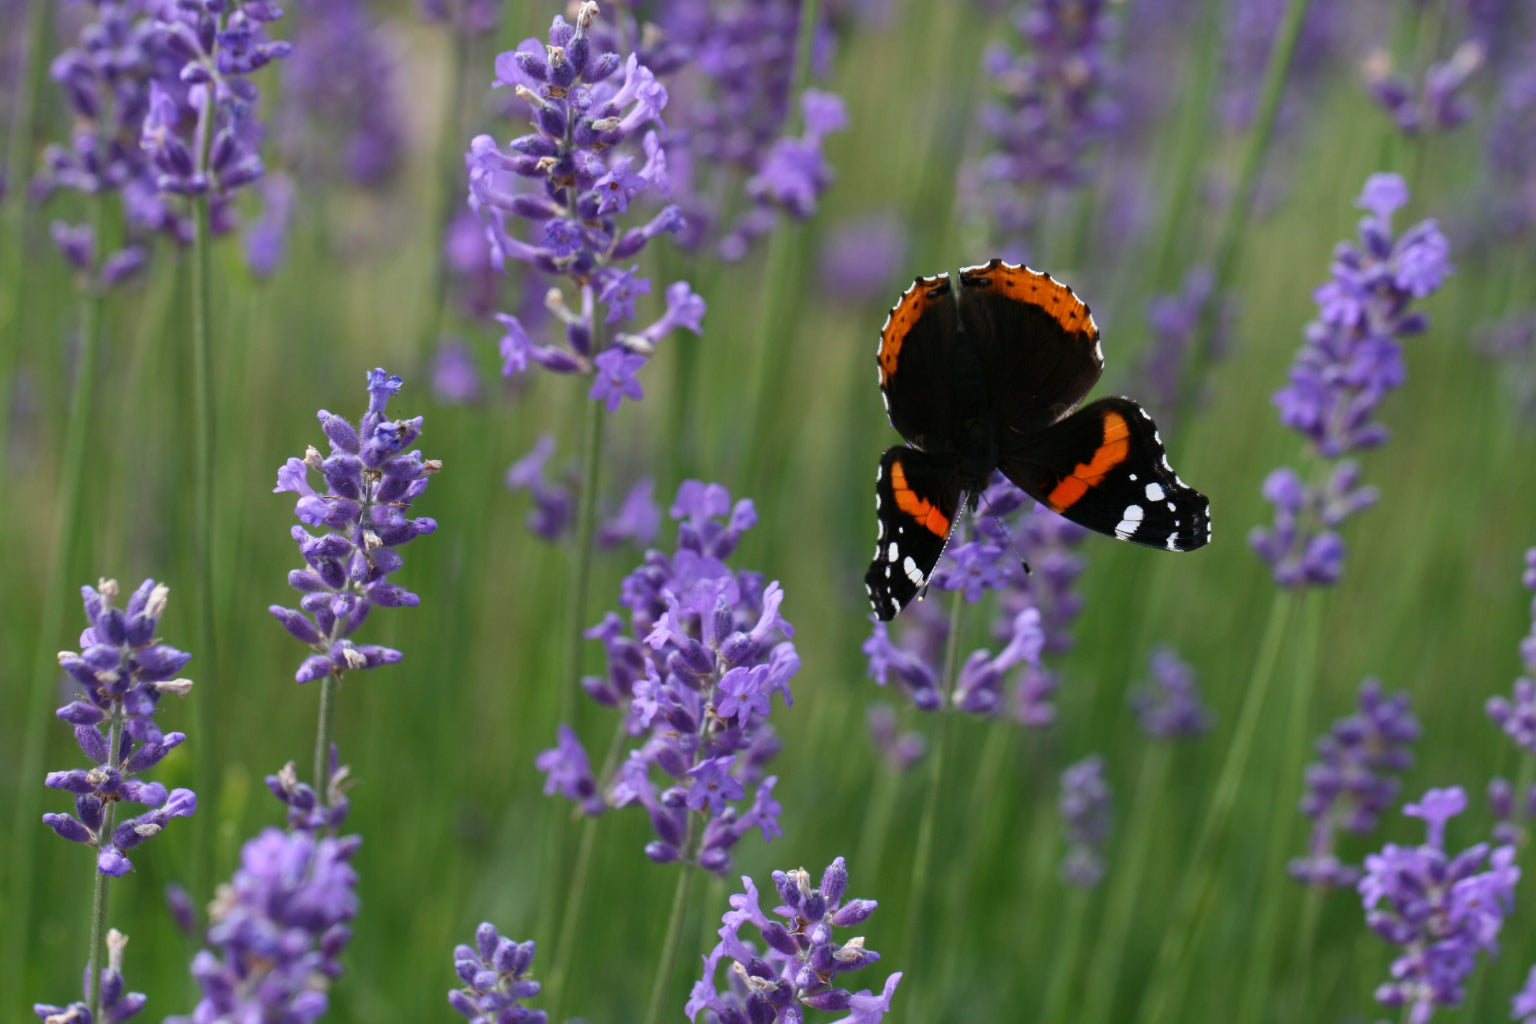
442, 745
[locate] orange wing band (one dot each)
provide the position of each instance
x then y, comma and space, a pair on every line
924, 292
1038, 289
921, 509
1111, 452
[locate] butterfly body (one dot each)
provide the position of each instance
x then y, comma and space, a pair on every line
986, 377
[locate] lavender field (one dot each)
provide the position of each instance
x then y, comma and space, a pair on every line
441, 442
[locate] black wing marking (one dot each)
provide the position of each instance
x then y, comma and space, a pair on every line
917, 495
1105, 467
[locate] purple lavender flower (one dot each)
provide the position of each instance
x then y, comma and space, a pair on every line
277, 930
1351, 360
570, 181
1516, 715
731, 147
266, 238
106, 81
553, 513
706, 653
900, 751
861, 257
1354, 780
493, 972
800, 966
1441, 909
455, 378
339, 107
1522, 1006
117, 1003
1174, 319
201, 131
1033, 613
1436, 104
306, 811
470, 17
124, 672
1086, 814
1054, 106
1169, 705
1511, 149
370, 482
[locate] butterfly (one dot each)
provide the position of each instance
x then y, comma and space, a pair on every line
988, 379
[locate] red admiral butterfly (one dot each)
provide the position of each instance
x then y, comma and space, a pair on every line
989, 380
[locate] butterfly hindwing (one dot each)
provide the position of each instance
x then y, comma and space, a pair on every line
1105, 468
917, 495
1036, 340
917, 364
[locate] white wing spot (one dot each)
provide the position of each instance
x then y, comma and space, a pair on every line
887, 572
1172, 507
1154, 491
910, 568
1134, 478
1130, 519
1173, 542
891, 554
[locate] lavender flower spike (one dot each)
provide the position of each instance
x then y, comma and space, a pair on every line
492, 971
1086, 813
1169, 705
695, 676
370, 481
1354, 780
117, 1004
800, 966
1442, 909
1516, 714
124, 672
1351, 360
277, 930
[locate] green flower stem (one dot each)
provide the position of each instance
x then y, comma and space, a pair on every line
1125, 883
925, 828
325, 731
875, 832
1277, 889
99, 888
13, 225
203, 710
1233, 228
576, 892
1195, 896
670, 943
21, 864
1069, 948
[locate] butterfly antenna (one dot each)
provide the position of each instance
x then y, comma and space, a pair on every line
1003, 525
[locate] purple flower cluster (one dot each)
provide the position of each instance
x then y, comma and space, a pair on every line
1054, 106
1436, 104
1087, 815
1510, 816
572, 178
124, 671
1511, 149
339, 104
1168, 706
1354, 780
734, 66
706, 652
493, 972
277, 930
370, 482
637, 518
1442, 909
1033, 613
106, 81
1516, 715
1174, 321
899, 750
200, 130
306, 810
800, 967
117, 1003
1522, 1006
1351, 360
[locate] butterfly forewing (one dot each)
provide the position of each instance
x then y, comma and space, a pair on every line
917, 364
917, 495
1105, 468
1036, 339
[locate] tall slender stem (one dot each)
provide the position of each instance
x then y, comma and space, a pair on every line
325, 731
99, 890
22, 864
1194, 900
1228, 243
925, 827
1068, 950
202, 515
674, 934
